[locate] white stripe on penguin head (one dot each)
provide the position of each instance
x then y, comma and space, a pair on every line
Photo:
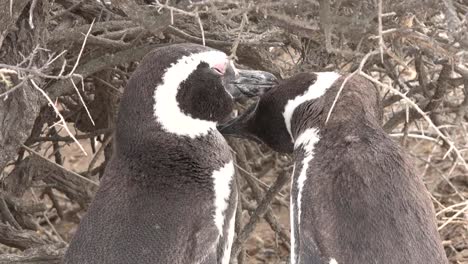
166, 108
324, 81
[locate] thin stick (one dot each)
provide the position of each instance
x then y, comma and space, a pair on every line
59, 166
101, 149
235, 45
82, 101
56, 57
264, 185
338, 95
420, 111
172, 17
44, 214
361, 65
453, 217
381, 42
64, 123
82, 48
201, 28
429, 159
465, 203
14, 88
31, 12
174, 9
262, 208
417, 136
6, 214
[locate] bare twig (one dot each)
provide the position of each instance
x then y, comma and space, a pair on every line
81, 50
423, 114
453, 217
44, 214
21, 239
238, 39
82, 101
381, 41
217, 43
50, 254
201, 28
174, 9
64, 123
31, 12
6, 214
70, 139
14, 88
361, 65
60, 167
98, 153
262, 208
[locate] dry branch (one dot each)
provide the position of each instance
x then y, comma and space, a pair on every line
98, 64
47, 254
21, 239
262, 208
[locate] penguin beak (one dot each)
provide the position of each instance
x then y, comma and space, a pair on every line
239, 126
248, 83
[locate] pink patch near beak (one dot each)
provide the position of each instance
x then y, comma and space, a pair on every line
221, 68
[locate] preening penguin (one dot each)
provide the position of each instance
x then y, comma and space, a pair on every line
167, 195
355, 198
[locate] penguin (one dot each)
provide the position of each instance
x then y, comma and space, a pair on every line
355, 198
167, 195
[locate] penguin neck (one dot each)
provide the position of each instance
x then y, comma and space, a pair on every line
346, 118
358, 106
159, 154
323, 82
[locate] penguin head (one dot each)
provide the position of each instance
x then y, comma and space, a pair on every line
274, 119
188, 89
304, 101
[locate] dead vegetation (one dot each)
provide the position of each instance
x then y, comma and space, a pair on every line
64, 65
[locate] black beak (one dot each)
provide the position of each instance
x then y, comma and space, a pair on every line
239, 126
247, 82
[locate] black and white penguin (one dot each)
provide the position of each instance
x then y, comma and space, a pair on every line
167, 195
355, 198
